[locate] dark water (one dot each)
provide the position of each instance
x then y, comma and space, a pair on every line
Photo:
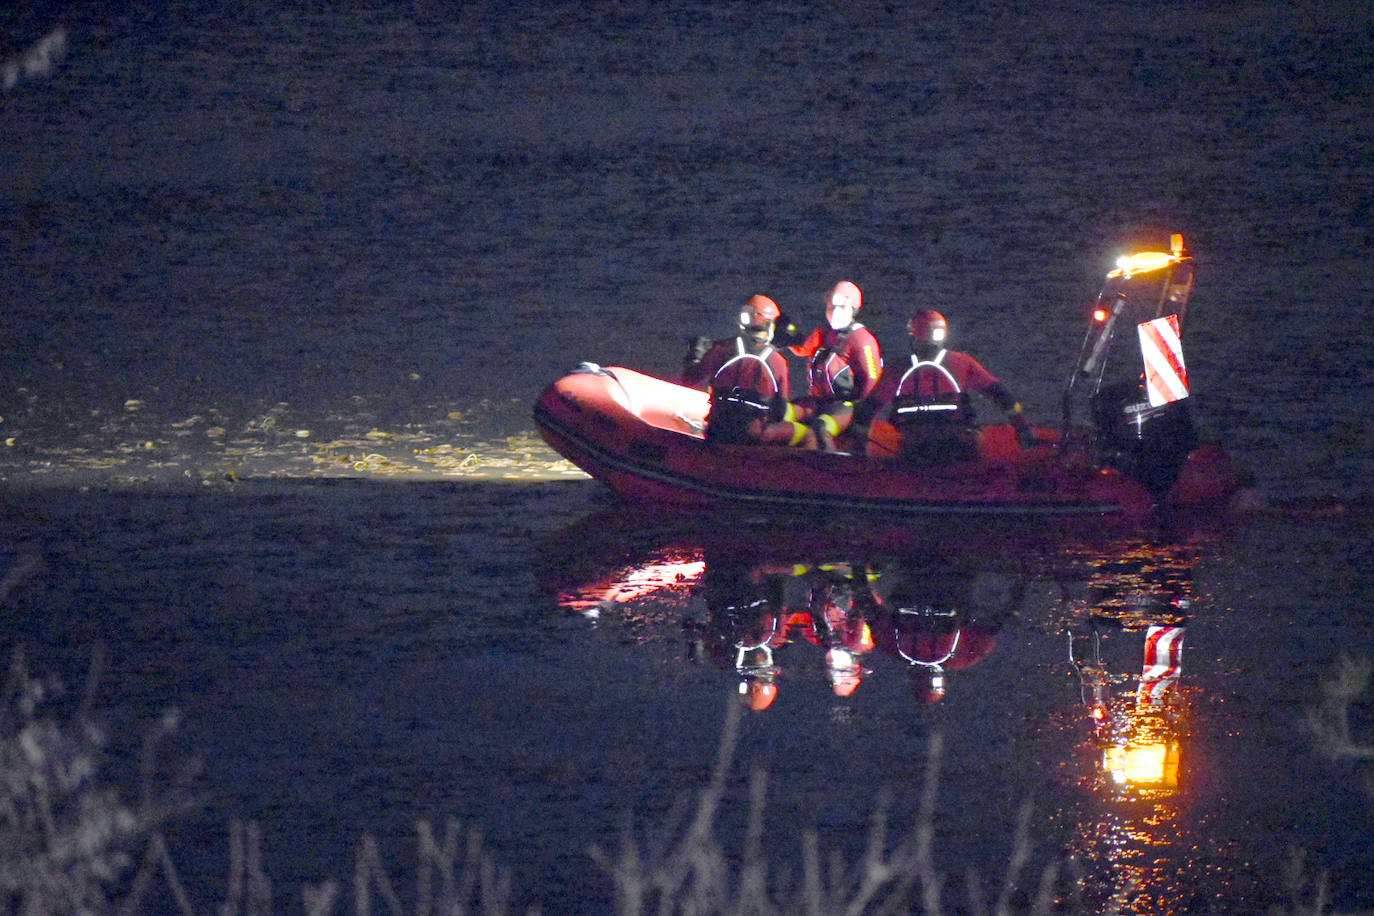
282, 281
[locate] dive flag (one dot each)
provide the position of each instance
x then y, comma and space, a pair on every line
1166, 378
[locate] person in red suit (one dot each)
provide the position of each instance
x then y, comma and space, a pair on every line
923, 619
744, 374
929, 401
845, 364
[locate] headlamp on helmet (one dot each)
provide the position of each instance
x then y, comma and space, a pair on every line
757, 316
928, 326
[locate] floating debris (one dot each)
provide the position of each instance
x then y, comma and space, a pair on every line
136, 445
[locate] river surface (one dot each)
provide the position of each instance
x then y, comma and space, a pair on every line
282, 282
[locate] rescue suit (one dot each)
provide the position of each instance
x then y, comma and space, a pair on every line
921, 622
929, 404
845, 366
744, 379
756, 611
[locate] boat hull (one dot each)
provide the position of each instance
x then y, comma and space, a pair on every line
641, 436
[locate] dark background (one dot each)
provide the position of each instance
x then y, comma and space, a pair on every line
224, 224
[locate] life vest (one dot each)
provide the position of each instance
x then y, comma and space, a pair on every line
734, 408
831, 375
910, 406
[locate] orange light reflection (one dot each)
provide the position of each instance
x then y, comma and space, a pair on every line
1143, 765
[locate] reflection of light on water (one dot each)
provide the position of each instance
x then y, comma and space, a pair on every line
1135, 837
1138, 847
1136, 852
677, 574
1147, 765
1143, 744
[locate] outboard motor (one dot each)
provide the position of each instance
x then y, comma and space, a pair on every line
1138, 404
1145, 442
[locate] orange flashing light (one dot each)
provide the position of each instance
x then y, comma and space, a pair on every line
1142, 262
1099, 315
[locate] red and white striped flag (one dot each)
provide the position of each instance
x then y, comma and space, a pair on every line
1166, 378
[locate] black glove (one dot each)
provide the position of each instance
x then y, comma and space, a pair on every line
785, 333
818, 426
697, 348
777, 408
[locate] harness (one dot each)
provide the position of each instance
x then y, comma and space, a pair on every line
935, 665
740, 354
914, 407
733, 409
838, 383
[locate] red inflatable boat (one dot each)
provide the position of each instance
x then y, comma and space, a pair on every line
644, 437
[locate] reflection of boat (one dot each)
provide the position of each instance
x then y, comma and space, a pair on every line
1133, 833
626, 552
644, 436
1138, 732
771, 603
1138, 713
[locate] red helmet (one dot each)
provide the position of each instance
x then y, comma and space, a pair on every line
756, 318
846, 293
928, 686
758, 695
844, 672
843, 304
928, 326
759, 309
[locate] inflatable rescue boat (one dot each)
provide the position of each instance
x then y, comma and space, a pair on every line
1133, 448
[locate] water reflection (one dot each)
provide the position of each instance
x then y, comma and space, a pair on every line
927, 620
775, 605
1134, 847
760, 615
771, 614
1139, 731
778, 610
